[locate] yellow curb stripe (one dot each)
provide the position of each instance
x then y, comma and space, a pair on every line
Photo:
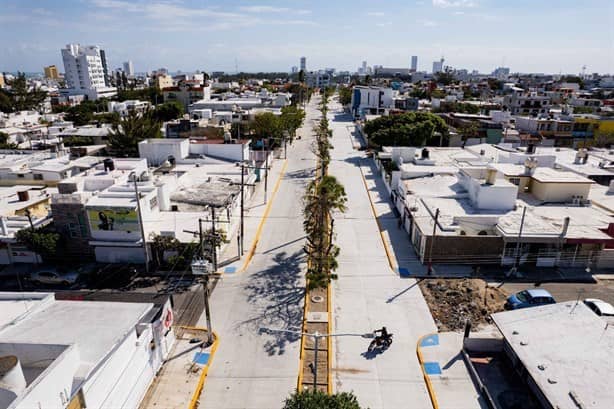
299, 382
427, 379
203, 374
329, 386
252, 249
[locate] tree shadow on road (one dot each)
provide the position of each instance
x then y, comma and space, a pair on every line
277, 296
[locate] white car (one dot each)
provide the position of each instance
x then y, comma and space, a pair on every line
600, 307
52, 277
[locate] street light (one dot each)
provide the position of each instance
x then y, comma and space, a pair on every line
316, 338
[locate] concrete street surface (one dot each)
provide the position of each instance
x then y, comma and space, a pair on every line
369, 294
251, 369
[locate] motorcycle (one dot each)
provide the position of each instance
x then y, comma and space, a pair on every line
380, 342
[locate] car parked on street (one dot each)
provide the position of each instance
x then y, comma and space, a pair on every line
53, 278
529, 298
600, 307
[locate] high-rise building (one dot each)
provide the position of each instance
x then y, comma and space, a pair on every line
303, 64
51, 72
438, 66
294, 69
105, 68
84, 72
414, 63
129, 68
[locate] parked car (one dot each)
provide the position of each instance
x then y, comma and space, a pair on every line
53, 277
600, 307
529, 298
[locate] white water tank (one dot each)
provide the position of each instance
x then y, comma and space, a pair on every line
12, 381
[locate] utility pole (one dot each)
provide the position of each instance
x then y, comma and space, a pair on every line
435, 219
242, 206
138, 208
517, 258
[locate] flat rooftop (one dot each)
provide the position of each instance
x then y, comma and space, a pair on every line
567, 349
94, 326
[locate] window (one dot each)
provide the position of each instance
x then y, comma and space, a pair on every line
38, 176
21, 175
514, 181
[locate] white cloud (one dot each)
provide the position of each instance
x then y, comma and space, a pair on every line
388, 23
454, 3
376, 13
271, 9
428, 23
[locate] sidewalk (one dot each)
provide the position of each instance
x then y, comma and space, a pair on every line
449, 377
255, 209
177, 384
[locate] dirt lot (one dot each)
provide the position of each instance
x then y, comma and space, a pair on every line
453, 301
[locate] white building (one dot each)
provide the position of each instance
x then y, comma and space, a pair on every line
129, 68
438, 66
371, 100
78, 354
84, 72
131, 105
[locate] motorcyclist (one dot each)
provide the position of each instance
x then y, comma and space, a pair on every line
383, 335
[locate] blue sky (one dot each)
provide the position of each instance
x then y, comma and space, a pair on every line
528, 36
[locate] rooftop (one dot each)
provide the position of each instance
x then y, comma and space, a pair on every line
94, 326
566, 349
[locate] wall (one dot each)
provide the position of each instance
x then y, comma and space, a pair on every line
465, 249
120, 255
559, 192
156, 152
489, 197
55, 382
228, 151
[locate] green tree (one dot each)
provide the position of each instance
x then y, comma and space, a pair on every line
444, 78
291, 119
267, 125
319, 400
20, 97
168, 111
409, 129
129, 131
45, 243
80, 115
4, 142
345, 95
301, 76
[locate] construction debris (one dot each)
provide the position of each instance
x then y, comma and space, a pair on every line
453, 302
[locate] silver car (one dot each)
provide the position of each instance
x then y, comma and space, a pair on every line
53, 277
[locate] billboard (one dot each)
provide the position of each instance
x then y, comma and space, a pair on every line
103, 219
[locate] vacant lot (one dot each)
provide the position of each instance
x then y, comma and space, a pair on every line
454, 301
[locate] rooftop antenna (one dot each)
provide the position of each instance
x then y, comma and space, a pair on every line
580, 292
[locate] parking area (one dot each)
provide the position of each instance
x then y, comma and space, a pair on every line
602, 289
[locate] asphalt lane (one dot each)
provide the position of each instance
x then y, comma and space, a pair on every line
253, 369
368, 294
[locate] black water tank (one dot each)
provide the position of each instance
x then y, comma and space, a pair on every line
109, 165
425, 153
531, 148
171, 159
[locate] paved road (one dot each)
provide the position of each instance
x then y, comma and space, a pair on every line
369, 294
603, 289
253, 370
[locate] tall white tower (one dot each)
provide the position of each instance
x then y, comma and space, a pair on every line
129, 68
83, 67
414, 63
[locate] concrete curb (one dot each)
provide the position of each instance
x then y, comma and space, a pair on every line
427, 380
252, 249
203, 374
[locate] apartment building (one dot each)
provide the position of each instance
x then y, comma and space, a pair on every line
371, 100
85, 72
